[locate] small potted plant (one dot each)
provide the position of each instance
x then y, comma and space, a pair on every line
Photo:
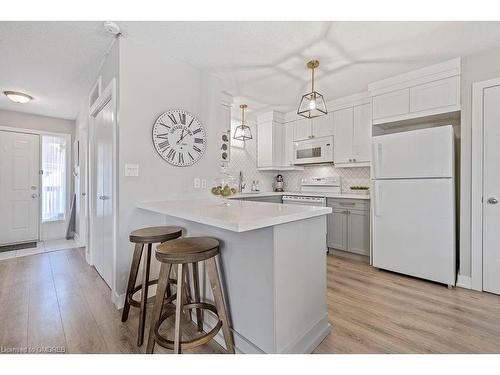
360, 189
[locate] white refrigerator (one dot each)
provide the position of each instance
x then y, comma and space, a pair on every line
413, 216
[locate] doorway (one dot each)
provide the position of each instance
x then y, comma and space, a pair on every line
102, 196
19, 187
486, 186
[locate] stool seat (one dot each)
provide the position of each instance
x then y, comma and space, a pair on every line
187, 250
155, 234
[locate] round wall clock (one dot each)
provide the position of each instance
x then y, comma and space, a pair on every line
179, 137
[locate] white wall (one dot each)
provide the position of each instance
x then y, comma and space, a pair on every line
37, 122
475, 68
151, 83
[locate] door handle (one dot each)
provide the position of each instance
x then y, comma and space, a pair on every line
492, 200
34, 196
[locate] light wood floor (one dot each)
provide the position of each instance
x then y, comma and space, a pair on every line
57, 300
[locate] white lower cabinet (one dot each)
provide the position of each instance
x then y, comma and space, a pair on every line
349, 225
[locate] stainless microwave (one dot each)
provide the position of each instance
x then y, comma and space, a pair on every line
313, 151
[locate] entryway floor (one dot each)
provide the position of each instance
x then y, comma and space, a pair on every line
41, 247
56, 301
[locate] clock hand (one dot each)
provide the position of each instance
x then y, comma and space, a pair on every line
182, 137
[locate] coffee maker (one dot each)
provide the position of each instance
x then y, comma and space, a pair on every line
278, 184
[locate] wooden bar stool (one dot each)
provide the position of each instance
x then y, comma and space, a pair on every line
181, 252
141, 237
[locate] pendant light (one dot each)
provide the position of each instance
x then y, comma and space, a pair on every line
18, 97
312, 104
243, 131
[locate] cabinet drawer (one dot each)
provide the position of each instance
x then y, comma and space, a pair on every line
391, 104
351, 204
442, 93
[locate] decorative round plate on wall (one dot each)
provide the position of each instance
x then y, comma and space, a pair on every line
179, 137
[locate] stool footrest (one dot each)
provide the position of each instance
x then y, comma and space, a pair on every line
135, 303
188, 344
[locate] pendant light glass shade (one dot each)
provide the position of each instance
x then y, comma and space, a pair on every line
312, 104
243, 131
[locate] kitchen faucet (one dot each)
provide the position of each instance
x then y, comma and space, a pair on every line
241, 185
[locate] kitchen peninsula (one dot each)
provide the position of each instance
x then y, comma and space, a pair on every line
273, 261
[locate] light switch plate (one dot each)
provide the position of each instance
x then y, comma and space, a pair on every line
203, 183
132, 170
196, 183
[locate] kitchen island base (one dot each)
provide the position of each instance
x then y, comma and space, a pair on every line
274, 281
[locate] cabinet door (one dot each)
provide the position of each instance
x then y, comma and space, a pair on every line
265, 144
288, 145
391, 104
358, 232
442, 93
343, 122
322, 126
302, 129
336, 237
361, 141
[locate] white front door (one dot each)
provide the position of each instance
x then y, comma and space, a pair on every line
102, 236
19, 187
491, 190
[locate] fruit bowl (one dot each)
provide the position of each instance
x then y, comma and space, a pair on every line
225, 186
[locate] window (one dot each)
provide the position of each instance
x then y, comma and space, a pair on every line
53, 178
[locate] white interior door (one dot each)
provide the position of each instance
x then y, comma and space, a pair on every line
19, 187
103, 200
491, 190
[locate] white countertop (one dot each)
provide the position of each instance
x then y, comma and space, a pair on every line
239, 216
274, 193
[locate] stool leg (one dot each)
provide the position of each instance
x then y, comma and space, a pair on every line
213, 275
179, 308
134, 269
196, 282
187, 286
160, 294
144, 295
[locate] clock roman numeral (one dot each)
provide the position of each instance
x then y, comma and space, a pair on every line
181, 158
172, 118
196, 148
164, 144
165, 125
171, 154
182, 118
191, 122
163, 135
197, 131
190, 156
198, 140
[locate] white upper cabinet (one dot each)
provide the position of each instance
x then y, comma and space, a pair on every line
342, 149
436, 94
322, 126
426, 92
361, 138
391, 104
302, 129
274, 142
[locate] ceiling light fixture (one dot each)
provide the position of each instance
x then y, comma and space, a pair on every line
18, 97
312, 104
243, 131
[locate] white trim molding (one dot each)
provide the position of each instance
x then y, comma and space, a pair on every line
477, 182
464, 282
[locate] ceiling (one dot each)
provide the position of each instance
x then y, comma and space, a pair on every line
261, 63
55, 62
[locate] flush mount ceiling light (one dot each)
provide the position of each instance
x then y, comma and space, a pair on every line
242, 131
312, 104
18, 97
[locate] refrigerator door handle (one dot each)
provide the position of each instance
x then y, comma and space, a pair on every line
377, 151
376, 199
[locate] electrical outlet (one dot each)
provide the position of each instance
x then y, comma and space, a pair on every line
203, 183
132, 170
196, 183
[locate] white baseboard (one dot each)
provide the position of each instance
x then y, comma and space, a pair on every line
464, 282
118, 300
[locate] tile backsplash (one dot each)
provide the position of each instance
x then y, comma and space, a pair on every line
244, 158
